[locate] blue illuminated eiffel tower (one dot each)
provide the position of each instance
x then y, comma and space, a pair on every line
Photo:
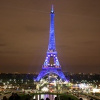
51, 64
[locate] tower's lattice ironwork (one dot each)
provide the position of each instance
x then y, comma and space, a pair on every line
51, 63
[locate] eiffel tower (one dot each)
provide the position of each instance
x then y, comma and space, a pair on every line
51, 64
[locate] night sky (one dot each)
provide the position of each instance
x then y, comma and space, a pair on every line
24, 34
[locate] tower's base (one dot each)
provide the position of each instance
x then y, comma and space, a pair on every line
49, 70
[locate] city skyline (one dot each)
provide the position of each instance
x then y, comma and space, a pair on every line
24, 35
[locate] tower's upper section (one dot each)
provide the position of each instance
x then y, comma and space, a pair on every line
52, 46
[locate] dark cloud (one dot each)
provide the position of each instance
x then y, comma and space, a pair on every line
2, 44
24, 34
35, 29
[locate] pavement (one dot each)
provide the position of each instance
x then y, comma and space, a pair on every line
7, 95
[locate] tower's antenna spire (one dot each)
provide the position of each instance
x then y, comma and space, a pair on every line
52, 10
